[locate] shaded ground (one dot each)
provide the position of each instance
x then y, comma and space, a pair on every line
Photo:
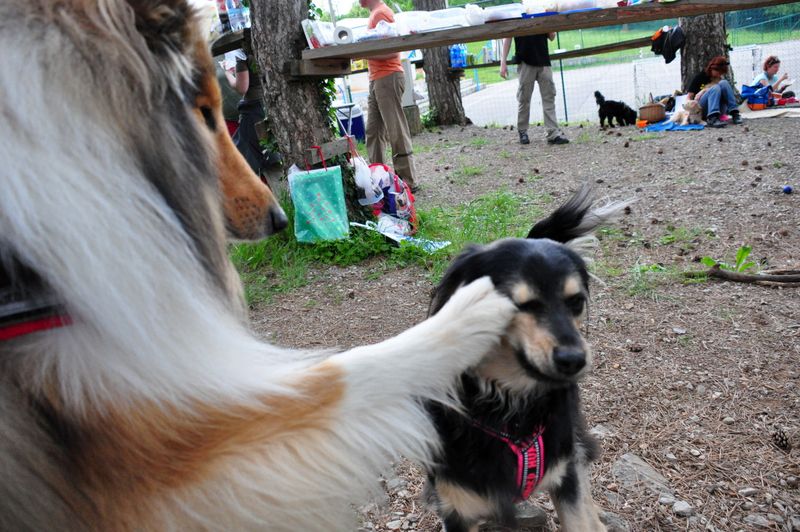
692, 378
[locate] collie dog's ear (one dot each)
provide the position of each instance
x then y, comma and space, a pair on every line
459, 273
166, 25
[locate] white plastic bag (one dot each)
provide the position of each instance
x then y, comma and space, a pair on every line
380, 176
391, 224
475, 15
369, 190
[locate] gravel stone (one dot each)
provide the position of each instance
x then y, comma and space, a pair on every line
757, 520
682, 508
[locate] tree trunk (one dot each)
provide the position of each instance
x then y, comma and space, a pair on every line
706, 38
296, 112
444, 89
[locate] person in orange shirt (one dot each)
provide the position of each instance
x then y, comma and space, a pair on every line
385, 118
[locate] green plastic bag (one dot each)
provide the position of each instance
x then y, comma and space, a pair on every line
319, 209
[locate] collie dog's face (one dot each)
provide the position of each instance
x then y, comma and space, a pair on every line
173, 36
548, 283
693, 108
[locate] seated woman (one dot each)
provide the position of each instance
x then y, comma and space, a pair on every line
715, 94
769, 77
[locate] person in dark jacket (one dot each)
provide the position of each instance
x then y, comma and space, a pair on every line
242, 74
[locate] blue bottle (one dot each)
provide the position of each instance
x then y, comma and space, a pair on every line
454, 56
458, 56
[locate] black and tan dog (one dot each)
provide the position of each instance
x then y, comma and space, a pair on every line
611, 109
521, 427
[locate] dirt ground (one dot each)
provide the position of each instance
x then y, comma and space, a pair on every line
693, 378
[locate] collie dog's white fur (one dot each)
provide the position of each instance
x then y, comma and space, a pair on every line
156, 408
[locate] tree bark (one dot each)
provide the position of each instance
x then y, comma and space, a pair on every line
444, 89
297, 115
706, 38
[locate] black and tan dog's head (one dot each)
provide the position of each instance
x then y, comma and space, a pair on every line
549, 284
546, 277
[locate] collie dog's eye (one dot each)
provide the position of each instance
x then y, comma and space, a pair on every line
208, 116
575, 303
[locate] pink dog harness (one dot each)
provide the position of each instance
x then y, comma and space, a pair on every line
530, 458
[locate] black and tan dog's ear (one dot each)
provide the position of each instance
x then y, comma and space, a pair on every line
565, 223
458, 274
166, 25
577, 217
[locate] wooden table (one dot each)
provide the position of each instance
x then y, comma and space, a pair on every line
531, 26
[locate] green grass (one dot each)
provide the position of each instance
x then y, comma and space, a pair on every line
280, 264
646, 136
470, 171
679, 236
584, 137
756, 36
479, 141
645, 280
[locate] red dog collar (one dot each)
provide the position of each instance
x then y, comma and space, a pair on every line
32, 325
26, 306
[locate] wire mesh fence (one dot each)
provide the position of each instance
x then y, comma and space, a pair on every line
631, 76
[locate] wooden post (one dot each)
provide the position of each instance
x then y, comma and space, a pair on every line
413, 118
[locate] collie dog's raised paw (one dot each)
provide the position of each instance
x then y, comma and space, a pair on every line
476, 316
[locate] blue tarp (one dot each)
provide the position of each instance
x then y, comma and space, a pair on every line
673, 126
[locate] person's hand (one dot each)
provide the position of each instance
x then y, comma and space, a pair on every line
785, 76
503, 70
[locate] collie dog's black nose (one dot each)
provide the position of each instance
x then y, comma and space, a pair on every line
569, 360
278, 219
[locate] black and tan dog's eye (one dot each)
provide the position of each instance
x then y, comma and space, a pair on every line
208, 116
534, 306
575, 303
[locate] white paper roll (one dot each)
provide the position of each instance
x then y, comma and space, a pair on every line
342, 35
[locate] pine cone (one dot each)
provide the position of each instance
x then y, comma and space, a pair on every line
780, 439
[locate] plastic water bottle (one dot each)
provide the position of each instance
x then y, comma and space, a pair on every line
458, 56
454, 56
222, 11
235, 15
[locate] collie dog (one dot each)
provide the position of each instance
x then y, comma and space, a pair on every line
142, 401
692, 113
521, 428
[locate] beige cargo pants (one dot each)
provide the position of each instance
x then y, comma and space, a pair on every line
386, 122
528, 76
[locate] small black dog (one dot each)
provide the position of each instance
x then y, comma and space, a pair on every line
610, 109
521, 427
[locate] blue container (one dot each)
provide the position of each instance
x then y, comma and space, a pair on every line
355, 122
458, 56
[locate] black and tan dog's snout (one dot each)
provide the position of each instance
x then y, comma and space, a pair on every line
569, 361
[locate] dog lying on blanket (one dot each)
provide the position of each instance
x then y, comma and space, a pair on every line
133, 395
521, 428
692, 113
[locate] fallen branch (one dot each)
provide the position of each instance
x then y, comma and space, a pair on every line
783, 277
